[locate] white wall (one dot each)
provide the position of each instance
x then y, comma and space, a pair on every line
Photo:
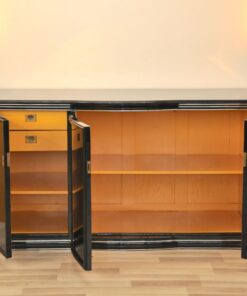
123, 43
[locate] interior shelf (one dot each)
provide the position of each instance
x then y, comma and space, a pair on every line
167, 164
44, 192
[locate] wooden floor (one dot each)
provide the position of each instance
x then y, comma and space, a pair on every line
122, 273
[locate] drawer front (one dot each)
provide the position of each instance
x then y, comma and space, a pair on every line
38, 141
36, 120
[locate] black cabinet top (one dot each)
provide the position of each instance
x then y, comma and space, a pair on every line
123, 99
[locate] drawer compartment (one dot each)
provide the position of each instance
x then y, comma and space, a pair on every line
36, 120
38, 141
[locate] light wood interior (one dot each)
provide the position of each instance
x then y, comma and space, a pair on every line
156, 171
182, 167
39, 192
166, 221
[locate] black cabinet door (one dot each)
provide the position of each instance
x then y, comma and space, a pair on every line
80, 191
244, 201
5, 221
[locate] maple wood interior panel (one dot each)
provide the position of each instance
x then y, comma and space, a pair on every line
186, 163
103, 194
141, 190
212, 189
44, 161
166, 221
29, 221
106, 131
39, 192
167, 164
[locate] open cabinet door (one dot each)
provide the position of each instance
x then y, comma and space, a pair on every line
80, 191
244, 202
5, 221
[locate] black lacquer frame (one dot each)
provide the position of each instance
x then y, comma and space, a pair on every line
73, 105
81, 237
7, 250
116, 241
244, 203
132, 241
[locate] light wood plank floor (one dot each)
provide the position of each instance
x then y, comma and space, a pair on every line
118, 273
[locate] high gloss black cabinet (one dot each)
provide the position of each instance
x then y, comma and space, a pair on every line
45, 173
5, 216
167, 169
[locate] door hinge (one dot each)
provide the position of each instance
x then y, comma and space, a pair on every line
89, 167
245, 159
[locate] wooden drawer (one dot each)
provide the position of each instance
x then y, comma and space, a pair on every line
36, 120
38, 141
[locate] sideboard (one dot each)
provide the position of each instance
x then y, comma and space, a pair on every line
123, 169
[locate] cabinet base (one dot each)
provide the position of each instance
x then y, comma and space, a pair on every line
133, 240
25, 241
166, 240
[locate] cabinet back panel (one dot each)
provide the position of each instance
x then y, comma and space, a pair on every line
163, 133
106, 131
29, 221
148, 190
43, 161
107, 189
39, 192
167, 222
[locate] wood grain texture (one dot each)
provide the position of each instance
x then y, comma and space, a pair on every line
166, 221
106, 131
167, 164
44, 120
159, 272
36, 162
152, 152
45, 141
40, 220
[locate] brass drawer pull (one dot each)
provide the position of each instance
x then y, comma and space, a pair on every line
31, 139
30, 117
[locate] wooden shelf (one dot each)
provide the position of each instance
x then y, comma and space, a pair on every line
38, 192
44, 192
166, 221
167, 164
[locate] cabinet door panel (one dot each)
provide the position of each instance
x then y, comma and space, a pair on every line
80, 191
5, 225
244, 201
